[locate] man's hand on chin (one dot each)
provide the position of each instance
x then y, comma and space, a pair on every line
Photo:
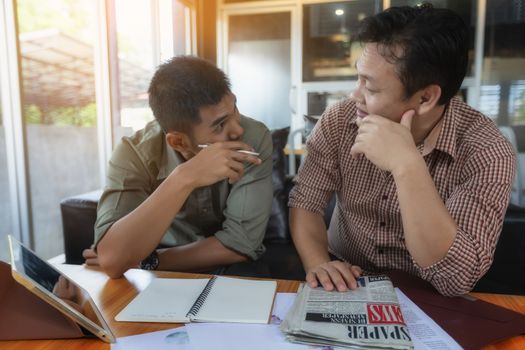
384, 142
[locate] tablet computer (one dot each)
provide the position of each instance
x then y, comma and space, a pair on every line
58, 290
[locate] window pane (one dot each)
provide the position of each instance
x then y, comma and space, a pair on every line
489, 101
136, 53
517, 102
467, 9
140, 48
329, 46
5, 204
56, 43
504, 64
181, 29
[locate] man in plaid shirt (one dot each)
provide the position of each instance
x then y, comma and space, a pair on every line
422, 179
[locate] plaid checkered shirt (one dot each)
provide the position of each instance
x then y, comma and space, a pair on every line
472, 166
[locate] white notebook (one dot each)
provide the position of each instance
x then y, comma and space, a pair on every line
218, 299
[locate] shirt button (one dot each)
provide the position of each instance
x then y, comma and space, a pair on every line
205, 210
384, 197
380, 251
382, 224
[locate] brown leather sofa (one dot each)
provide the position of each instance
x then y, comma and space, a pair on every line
507, 274
79, 215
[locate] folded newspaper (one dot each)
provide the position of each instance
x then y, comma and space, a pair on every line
367, 317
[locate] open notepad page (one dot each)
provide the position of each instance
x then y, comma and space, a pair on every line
164, 300
222, 300
238, 300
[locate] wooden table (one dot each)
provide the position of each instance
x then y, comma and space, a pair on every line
112, 295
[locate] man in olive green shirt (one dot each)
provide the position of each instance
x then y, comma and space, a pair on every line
182, 183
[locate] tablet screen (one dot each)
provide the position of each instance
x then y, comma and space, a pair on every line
55, 284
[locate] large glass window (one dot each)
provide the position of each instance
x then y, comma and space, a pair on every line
465, 8
56, 44
148, 33
136, 63
329, 46
502, 94
181, 28
5, 208
503, 77
331, 51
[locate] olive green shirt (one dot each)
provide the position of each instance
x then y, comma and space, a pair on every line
235, 214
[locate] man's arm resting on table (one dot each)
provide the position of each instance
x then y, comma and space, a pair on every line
452, 252
202, 255
310, 238
125, 243
133, 237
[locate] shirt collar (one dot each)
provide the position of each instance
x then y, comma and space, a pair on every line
170, 160
446, 141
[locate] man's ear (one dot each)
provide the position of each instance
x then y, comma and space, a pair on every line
179, 141
427, 99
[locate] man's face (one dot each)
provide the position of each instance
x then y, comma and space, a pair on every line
379, 90
220, 122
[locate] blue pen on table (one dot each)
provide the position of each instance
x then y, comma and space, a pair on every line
239, 150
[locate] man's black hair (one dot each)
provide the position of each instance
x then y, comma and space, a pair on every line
180, 87
428, 46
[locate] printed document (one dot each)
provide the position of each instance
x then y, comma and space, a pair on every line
426, 334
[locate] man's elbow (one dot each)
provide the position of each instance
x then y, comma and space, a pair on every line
112, 268
455, 286
235, 258
455, 292
111, 264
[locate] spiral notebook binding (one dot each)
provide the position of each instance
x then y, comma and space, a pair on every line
201, 299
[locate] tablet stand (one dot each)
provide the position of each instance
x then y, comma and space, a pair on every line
23, 315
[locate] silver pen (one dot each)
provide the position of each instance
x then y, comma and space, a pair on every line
239, 150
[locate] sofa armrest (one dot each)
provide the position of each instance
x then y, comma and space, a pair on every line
79, 214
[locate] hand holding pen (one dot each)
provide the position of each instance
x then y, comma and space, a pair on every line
219, 161
239, 150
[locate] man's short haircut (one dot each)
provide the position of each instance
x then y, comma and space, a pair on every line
428, 46
180, 87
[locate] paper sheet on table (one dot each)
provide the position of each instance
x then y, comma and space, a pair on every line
178, 338
246, 336
236, 336
283, 302
425, 333
170, 339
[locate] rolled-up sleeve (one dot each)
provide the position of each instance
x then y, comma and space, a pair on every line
128, 184
249, 204
478, 206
